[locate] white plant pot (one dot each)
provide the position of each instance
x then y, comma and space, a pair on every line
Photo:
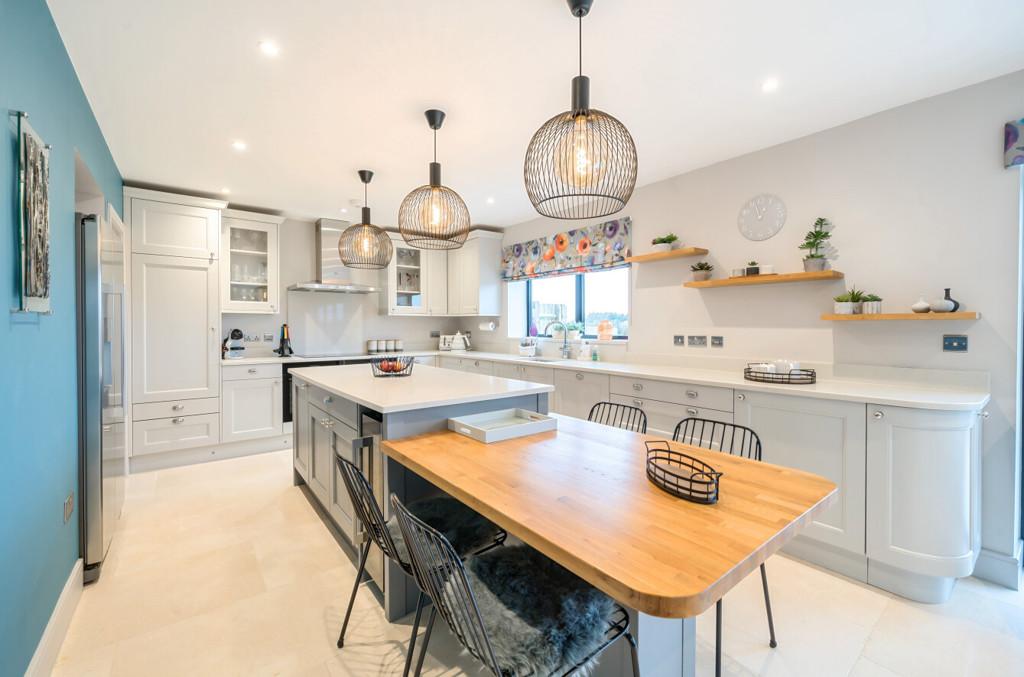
574, 335
814, 265
846, 308
663, 247
872, 308
701, 275
676, 245
558, 335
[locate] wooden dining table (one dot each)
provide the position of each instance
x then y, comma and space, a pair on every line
581, 496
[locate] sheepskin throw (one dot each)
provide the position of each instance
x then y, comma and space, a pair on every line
464, 528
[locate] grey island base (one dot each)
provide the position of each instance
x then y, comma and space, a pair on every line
345, 411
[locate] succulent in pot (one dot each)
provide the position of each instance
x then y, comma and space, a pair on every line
702, 271
575, 330
872, 304
850, 303
753, 268
815, 241
665, 243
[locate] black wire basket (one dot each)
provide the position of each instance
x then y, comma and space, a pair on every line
680, 474
791, 377
390, 367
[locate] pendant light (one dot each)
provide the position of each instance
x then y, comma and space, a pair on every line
434, 216
365, 245
580, 164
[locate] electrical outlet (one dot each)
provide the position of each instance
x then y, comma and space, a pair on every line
697, 341
435, 333
69, 507
717, 341
268, 337
954, 343
249, 338
678, 340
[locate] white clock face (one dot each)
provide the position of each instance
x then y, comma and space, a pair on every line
762, 217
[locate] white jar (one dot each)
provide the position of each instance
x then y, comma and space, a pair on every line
399, 345
371, 346
390, 345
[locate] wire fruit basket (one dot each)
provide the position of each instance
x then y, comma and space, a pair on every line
680, 474
389, 367
791, 377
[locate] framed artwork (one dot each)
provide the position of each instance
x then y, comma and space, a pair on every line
34, 218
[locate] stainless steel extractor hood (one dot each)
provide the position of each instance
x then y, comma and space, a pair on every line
331, 274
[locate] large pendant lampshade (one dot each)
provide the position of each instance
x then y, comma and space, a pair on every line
580, 164
434, 216
365, 245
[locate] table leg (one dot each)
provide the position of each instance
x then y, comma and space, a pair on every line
667, 647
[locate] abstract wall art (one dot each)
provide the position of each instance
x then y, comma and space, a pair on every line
34, 218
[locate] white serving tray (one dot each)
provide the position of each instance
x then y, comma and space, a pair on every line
503, 424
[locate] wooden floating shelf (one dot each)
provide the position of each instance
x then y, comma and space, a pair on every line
896, 317
663, 256
778, 278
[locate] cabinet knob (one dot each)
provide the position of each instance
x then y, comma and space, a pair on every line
985, 415
691, 411
639, 403
476, 363
328, 399
638, 386
177, 420
878, 415
692, 394
177, 407
579, 376
741, 397
252, 371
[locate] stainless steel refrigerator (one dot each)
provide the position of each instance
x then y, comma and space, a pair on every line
101, 385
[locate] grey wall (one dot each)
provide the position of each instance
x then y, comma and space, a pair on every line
920, 201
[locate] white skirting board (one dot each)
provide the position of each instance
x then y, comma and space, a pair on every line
173, 459
48, 649
1000, 569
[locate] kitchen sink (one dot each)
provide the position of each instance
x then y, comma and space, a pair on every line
544, 359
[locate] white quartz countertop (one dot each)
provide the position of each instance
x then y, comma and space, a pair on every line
425, 387
299, 359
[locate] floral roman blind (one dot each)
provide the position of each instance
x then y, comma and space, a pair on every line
1013, 145
598, 247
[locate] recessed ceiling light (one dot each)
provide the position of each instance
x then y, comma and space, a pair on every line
344, 210
770, 85
269, 48
490, 200
239, 145
225, 191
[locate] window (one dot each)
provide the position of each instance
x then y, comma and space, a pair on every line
584, 298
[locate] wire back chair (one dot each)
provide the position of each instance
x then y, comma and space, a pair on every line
619, 416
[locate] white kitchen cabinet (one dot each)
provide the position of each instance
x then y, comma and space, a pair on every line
693, 396
321, 457
576, 392
467, 364
251, 408
437, 281
662, 417
428, 360
302, 441
175, 328
159, 435
173, 225
474, 276
408, 279
923, 506
250, 262
524, 372
825, 437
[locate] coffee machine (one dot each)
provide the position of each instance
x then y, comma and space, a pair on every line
233, 347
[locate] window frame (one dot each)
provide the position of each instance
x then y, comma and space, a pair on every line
580, 308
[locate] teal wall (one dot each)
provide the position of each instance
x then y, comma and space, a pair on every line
38, 389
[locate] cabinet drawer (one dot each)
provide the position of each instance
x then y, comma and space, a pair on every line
662, 417
170, 434
338, 407
151, 410
705, 397
428, 360
238, 372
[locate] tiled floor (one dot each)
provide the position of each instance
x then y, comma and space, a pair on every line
225, 569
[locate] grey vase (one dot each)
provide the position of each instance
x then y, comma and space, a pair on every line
956, 304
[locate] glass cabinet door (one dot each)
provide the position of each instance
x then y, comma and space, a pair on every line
407, 281
250, 255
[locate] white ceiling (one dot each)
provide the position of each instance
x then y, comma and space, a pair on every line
174, 83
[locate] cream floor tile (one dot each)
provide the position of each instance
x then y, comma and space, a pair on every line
225, 569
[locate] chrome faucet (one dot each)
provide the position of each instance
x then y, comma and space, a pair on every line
565, 337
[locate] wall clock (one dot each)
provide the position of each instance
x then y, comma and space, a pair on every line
762, 217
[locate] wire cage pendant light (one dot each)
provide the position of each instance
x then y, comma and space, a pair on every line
434, 216
581, 163
365, 245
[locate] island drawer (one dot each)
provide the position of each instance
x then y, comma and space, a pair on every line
706, 397
238, 372
171, 434
662, 417
338, 407
152, 410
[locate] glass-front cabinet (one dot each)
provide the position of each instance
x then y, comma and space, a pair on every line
407, 279
249, 268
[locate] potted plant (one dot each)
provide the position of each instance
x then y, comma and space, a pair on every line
753, 268
702, 271
665, 243
850, 303
814, 241
872, 304
575, 330
558, 332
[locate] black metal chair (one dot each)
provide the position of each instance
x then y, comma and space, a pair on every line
378, 532
619, 416
442, 575
736, 440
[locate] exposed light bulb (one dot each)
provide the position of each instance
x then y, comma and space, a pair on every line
365, 244
433, 210
578, 161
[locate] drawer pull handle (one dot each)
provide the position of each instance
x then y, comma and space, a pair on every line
741, 397
252, 371
639, 403
691, 394
107, 428
638, 386
879, 415
579, 376
178, 420
328, 399
177, 407
691, 411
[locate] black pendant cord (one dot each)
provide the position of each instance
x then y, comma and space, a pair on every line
581, 46
435, 145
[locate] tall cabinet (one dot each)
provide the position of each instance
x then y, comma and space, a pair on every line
175, 325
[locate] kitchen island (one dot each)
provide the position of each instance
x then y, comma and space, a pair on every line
345, 411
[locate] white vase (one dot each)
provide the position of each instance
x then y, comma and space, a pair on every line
845, 308
676, 245
814, 265
574, 335
661, 247
941, 306
872, 308
921, 306
701, 275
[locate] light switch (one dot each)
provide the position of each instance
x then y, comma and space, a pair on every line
717, 341
697, 341
954, 343
679, 340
